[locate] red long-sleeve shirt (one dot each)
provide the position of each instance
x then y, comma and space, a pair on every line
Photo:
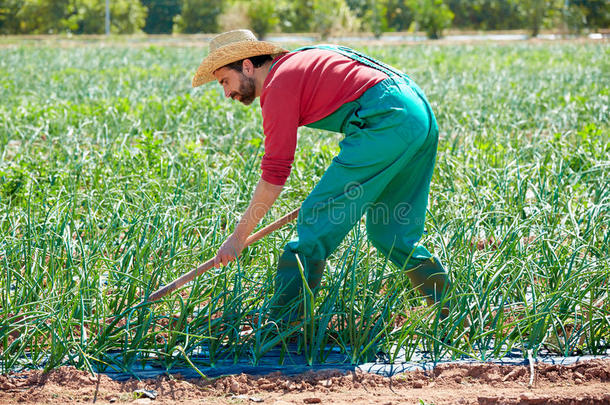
301, 88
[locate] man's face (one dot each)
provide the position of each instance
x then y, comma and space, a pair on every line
236, 85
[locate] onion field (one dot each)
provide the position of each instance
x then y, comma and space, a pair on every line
117, 177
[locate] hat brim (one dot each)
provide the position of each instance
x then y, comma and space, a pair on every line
232, 53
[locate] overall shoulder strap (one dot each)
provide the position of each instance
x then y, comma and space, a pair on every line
357, 56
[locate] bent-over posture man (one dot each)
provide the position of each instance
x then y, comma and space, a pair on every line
384, 166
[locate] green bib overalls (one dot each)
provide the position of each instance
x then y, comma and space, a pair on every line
383, 169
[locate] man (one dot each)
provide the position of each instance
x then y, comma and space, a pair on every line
384, 166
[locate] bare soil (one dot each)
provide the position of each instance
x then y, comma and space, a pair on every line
580, 383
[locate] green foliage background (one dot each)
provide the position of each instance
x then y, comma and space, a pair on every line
323, 17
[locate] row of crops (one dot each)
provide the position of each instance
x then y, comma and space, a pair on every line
116, 177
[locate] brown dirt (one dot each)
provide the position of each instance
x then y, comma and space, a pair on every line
580, 383
202, 40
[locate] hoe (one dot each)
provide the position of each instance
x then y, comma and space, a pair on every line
179, 282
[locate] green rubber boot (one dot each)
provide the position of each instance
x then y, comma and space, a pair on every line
431, 280
286, 304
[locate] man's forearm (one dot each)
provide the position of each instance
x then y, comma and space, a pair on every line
263, 198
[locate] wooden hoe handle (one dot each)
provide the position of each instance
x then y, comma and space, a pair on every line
179, 282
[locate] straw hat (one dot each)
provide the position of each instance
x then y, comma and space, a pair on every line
230, 47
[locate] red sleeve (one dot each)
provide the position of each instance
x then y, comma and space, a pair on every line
280, 122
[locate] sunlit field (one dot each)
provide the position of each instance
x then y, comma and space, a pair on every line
116, 177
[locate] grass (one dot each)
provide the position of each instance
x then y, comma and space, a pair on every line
116, 177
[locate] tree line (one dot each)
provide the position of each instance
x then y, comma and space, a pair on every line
325, 17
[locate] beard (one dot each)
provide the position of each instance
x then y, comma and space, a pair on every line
246, 91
